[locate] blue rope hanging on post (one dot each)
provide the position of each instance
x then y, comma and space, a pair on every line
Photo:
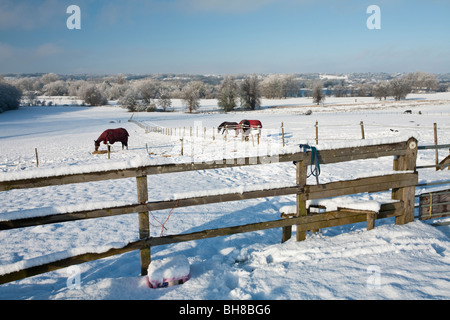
315, 165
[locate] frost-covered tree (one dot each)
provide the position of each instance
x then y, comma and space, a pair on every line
277, 86
164, 99
148, 89
116, 91
250, 92
228, 94
272, 87
191, 94
399, 88
130, 100
381, 90
49, 78
422, 81
92, 95
56, 88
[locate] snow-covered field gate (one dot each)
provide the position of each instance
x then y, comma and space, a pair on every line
401, 179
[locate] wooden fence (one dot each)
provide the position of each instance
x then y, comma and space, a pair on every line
402, 185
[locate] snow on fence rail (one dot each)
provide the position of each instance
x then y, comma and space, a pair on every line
402, 185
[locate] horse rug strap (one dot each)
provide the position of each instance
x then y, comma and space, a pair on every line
314, 160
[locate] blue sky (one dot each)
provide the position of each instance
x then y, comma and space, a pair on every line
224, 36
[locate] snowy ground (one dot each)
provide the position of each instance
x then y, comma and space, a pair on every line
389, 262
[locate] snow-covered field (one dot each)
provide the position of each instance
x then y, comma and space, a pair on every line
348, 262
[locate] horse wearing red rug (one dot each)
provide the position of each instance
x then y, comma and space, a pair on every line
248, 125
113, 135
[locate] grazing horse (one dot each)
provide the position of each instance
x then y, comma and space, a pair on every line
227, 125
248, 125
112, 135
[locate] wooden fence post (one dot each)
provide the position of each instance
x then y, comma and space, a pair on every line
406, 162
144, 222
302, 174
436, 143
37, 157
317, 132
363, 137
282, 132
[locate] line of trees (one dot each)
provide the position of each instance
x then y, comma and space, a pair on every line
400, 87
246, 91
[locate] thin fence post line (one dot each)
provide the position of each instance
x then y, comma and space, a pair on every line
317, 132
282, 132
363, 137
436, 143
37, 157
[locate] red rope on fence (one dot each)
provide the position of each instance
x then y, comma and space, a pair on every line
162, 225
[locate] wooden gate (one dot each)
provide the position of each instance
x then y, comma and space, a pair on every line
434, 205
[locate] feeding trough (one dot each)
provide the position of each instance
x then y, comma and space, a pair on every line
100, 152
168, 272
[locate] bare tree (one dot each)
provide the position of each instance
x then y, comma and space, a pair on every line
317, 92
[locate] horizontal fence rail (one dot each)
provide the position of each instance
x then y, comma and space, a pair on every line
325, 157
330, 219
328, 190
402, 183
